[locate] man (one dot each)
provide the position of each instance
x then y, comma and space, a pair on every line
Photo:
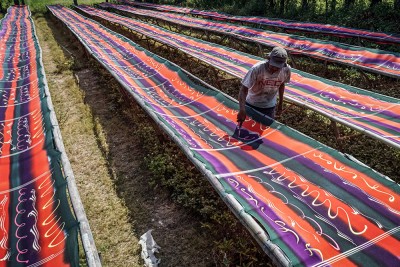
262, 83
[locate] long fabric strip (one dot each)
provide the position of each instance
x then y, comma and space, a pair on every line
37, 227
378, 61
319, 206
379, 37
374, 114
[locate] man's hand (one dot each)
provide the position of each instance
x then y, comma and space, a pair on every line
241, 116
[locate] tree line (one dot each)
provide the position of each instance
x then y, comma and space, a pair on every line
379, 15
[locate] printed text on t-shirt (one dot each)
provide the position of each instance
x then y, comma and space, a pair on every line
266, 82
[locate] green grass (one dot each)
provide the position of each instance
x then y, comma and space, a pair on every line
40, 5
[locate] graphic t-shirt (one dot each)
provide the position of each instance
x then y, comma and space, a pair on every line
264, 86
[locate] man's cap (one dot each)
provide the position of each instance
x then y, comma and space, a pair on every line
278, 57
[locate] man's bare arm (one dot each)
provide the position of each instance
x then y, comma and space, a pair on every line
242, 103
280, 103
242, 97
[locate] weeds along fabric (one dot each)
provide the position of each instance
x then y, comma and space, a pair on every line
37, 227
318, 206
378, 61
379, 37
374, 114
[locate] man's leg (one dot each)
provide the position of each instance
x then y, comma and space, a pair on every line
270, 112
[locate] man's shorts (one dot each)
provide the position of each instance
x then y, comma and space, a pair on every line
270, 112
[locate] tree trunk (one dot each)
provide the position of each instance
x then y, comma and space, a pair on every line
282, 7
326, 10
304, 5
333, 5
271, 6
348, 3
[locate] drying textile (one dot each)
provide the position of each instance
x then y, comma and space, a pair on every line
319, 206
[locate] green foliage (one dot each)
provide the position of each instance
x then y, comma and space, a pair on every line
252, 8
203, 3
40, 5
4, 4
63, 64
382, 16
